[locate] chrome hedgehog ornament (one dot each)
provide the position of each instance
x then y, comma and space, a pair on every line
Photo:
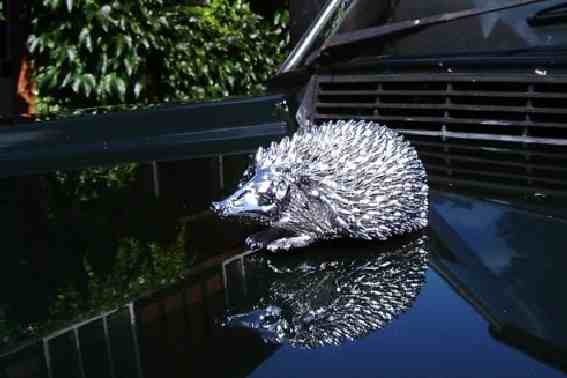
341, 179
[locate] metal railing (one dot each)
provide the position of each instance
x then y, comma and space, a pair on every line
161, 133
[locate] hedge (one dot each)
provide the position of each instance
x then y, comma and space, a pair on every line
100, 52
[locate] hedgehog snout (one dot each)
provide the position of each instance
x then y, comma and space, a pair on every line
217, 207
236, 204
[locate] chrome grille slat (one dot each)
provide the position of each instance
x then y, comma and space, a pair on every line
486, 137
442, 93
523, 108
450, 121
500, 133
437, 77
520, 178
523, 153
447, 107
504, 188
509, 168
502, 164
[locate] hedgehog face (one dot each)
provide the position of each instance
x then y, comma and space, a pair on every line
259, 196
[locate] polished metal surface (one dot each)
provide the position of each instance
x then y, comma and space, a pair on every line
344, 179
325, 25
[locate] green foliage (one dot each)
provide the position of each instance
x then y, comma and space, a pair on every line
125, 283
91, 183
100, 52
107, 292
94, 52
225, 50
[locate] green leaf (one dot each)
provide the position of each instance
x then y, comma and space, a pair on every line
104, 86
66, 80
122, 24
129, 66
32, 43
145, 43
128, 41
231, 81
137, 89
76, 84
85, 38
89, 83
119, 46
104, 63
105, 11
120, 86
71, 54
53, 81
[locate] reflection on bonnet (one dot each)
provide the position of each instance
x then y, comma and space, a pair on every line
327, 297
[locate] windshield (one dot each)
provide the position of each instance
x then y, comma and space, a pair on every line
505, 30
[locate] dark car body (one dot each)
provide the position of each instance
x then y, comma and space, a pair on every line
479, 88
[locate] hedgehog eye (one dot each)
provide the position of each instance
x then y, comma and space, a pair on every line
246, 176
303, 181
266, 199
281, 190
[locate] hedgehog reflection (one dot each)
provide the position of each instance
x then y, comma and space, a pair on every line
327, 298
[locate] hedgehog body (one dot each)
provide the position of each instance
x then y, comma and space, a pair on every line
352, 179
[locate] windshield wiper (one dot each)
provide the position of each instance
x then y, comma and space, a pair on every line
343, 41
548, 16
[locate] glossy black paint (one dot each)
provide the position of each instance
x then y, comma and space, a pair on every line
394, 30
335, 48
492, 303
509, 267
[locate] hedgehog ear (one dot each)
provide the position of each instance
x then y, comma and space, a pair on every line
252, 160
259, 154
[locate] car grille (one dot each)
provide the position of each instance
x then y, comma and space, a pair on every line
521, 108
500, 133
494, 167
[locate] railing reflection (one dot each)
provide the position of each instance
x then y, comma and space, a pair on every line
149, 337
